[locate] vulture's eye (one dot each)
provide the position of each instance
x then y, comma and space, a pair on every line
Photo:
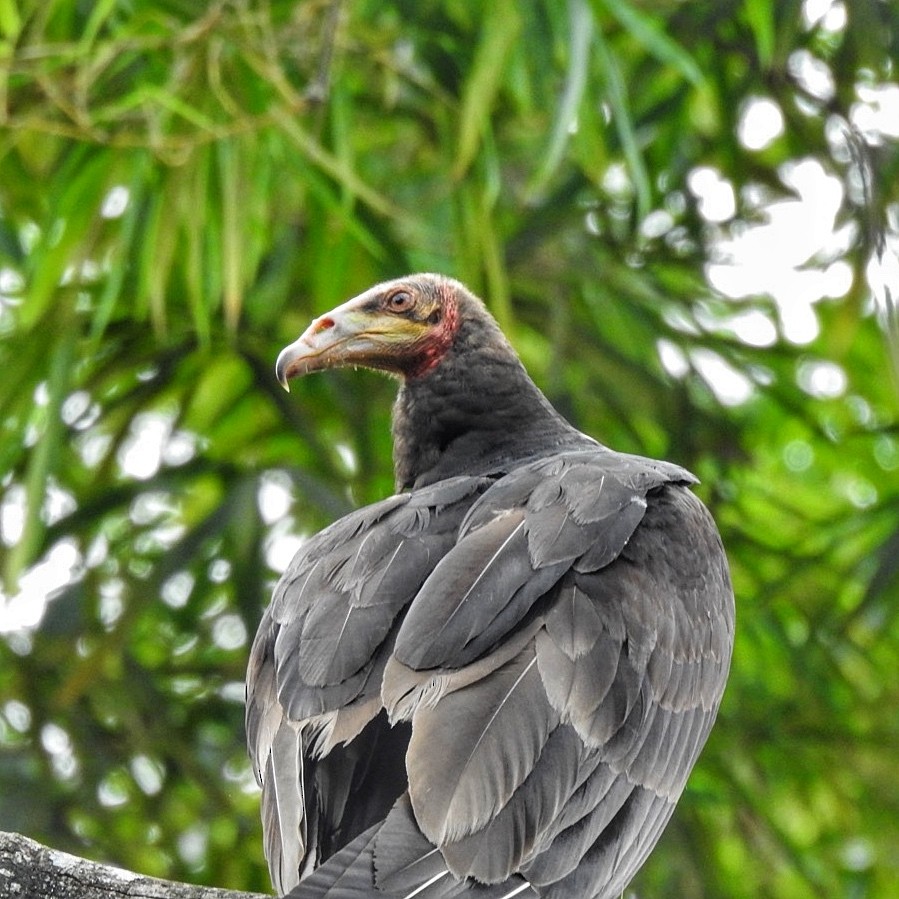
400, 301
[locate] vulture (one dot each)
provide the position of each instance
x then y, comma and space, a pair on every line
495, 682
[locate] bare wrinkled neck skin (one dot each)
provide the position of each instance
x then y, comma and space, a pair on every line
474, 410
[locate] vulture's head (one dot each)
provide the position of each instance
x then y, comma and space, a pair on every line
404, 327
466, 402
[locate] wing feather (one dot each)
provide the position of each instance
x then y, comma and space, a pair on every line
558, 639
517, 831
283, 813
315, 671
471, 751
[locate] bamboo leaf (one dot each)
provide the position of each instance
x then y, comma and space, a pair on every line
318, 155
43, 459
760, 15
624, 124
194, 216
645, 29
232, 242
580, 26
158, 246
119, 262
65, 245
100, 12
502, 24
10, 20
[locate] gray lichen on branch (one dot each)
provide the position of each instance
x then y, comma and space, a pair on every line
29, 870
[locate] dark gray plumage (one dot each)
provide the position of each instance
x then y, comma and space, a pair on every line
496, 682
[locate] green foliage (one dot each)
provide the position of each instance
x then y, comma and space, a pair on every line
183, 186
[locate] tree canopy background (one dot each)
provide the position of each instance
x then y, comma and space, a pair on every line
686, 217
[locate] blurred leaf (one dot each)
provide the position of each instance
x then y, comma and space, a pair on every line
624, 124
44, 460
580, 23
647, 30
760, 15
10, 20
501, 27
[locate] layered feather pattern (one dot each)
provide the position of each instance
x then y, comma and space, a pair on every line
556, 706
495, 683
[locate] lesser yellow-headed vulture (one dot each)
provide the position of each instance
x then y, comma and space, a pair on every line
495, 682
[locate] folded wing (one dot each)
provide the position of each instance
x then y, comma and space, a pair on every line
550, 648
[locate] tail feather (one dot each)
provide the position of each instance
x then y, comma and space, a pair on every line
393, 860
349, 874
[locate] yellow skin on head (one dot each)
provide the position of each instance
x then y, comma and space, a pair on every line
392, 327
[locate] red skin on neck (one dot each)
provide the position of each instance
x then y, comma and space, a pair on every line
438, 342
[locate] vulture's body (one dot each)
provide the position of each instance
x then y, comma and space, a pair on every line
494, 683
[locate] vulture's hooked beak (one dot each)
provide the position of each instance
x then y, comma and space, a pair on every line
354, 333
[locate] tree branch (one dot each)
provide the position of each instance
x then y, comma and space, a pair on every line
29, 870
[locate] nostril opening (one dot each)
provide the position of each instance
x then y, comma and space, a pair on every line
324, 323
